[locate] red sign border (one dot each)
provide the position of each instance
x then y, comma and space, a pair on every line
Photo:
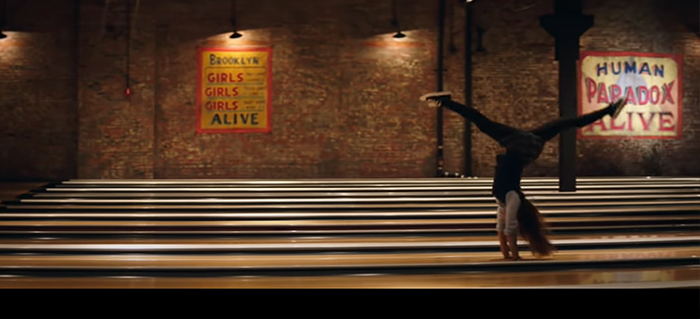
678, 58
267, 49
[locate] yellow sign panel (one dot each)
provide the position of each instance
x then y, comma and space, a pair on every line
234, 91
651, 83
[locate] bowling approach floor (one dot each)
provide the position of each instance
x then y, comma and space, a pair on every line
617, 232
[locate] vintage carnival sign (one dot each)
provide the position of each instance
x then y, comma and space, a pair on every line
234, 90
652, 84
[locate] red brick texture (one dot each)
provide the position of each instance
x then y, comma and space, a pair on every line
345, 94
516, 79
648, 26
115, 137
38, 100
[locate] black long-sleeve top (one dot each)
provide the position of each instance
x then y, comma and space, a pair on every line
509, 170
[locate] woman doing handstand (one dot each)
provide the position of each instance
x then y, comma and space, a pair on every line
515, 214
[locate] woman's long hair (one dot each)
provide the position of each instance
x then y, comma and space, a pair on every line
532, 227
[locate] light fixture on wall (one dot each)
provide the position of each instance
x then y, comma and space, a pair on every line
234, 23
395, 20
2, 35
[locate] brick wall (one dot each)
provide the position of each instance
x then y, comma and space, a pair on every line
516, 79
345, 101
648, 26
116, 132
38, 136
344, 93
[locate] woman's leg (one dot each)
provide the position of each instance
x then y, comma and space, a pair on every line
495, 130
500, 225
511, 223
551, 129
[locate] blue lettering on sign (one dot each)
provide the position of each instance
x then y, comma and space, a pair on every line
617, 68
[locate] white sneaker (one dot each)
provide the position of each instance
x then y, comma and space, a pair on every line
435, 99
435, 95
620, 104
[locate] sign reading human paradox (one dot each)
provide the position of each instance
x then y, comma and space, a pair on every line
233, 90
651, 83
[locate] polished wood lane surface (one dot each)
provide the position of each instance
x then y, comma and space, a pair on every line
392, 245
378, 181
355, 188
389, 261
639, 199
431, 213
297, 240
125, 232
378, 233
334, 222
229, 193
633, 278
185, 227
433, 203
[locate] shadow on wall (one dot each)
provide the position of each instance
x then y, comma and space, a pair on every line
429, 166
600, 166
329, 168
542, 167
651, 162
685, 13
649, 165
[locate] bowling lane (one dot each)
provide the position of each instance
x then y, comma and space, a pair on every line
297, 240
233, 193
613, 278
350, 203
333, 226
79, 232
571, 200
328, 261
311, 214
321, 244
376, 181
339, 222
355, 188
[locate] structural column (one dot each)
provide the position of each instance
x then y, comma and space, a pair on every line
566, 25
440, 67
468, 86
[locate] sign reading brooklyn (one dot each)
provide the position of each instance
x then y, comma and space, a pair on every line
233, 90
651, 83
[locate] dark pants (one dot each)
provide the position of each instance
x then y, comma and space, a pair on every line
498, 131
